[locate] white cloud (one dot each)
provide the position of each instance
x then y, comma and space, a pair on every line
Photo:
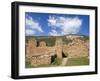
32, 26
65, 25
29, 32
54, 33
52, 21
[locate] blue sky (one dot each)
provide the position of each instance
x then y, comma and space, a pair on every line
48, 24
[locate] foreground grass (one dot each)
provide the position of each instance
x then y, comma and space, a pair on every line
77, 61
57, 62
71, 62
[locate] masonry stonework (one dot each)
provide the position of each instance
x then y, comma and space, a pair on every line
42, 54
77, 48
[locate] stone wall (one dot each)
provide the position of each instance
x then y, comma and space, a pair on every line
58, 46
42, 54
40, 60
77, 48
31, 45
42, 44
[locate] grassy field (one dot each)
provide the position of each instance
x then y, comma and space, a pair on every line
53, 64
71, 62
77, 61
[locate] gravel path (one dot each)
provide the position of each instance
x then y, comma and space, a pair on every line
64, 61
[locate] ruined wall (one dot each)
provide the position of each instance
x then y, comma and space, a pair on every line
42, 44
41, 60
42, 54
29, 47
77, 48
58, 47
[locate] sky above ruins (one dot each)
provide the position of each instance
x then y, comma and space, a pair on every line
52, 24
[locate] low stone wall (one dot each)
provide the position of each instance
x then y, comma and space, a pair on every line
41, 60
76, 49
40, 55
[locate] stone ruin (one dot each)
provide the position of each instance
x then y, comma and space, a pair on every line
77, 48
42, 54
42, 44
58, 46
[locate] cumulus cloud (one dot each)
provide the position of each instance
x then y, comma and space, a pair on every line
64, 25
29, 32
52, 21
32, 26
54, 33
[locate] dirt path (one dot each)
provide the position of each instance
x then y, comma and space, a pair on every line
64, 61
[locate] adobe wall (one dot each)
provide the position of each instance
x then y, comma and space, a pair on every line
77, 48
58, 47
41, 55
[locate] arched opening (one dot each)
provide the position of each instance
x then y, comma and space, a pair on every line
37, 43
53, 58
64, 54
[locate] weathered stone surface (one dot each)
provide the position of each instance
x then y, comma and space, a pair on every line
42, 54
77, 48
42, 44
39, 55
41, 60
59, 52
58, 46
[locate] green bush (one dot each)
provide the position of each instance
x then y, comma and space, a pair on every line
57, 62
66, 41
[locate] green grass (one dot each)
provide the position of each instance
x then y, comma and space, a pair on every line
77, 61
57, 62
28, 65
71, 62
66, 41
